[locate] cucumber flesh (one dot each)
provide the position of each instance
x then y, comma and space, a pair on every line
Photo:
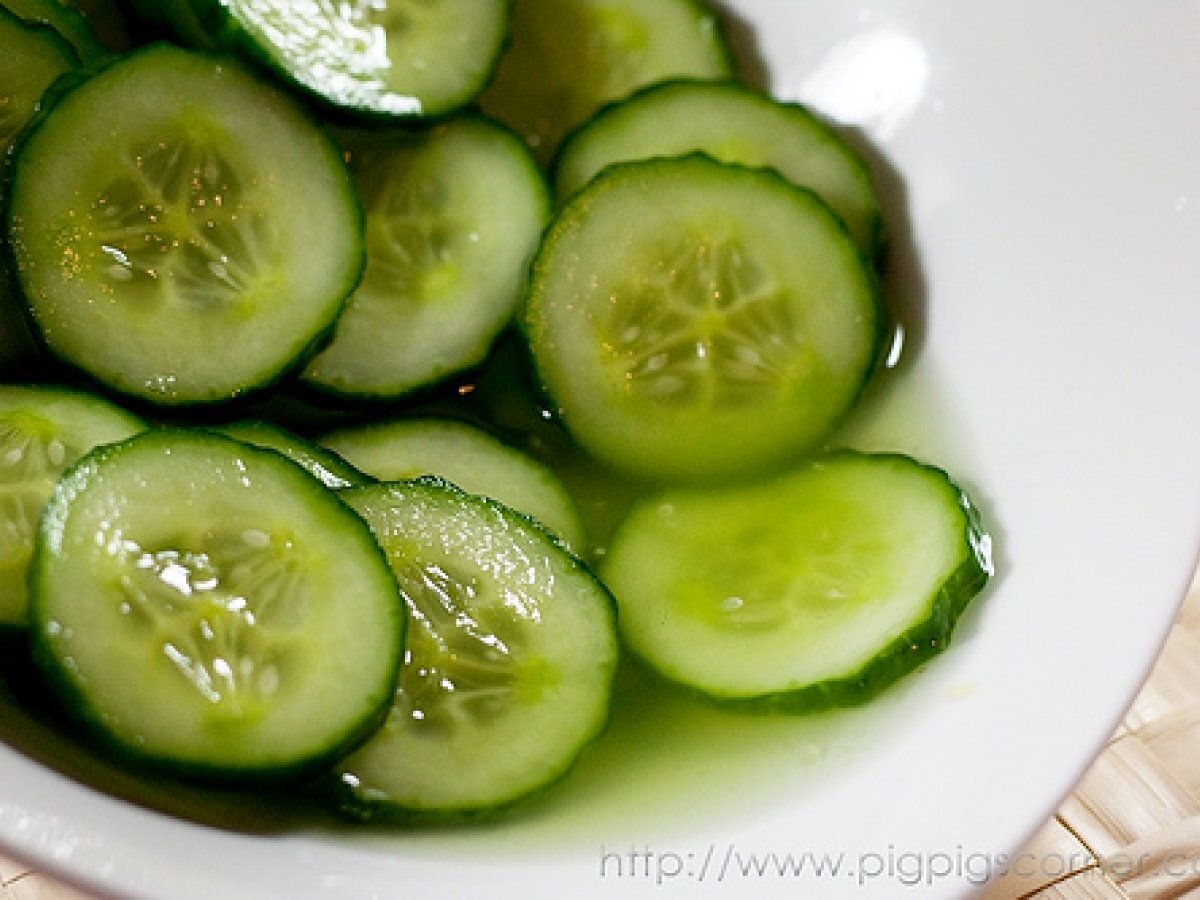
453, 216
816, 588
43, 431
467, 456
734, 124
170, 255
570, 57
209, 609
35, 55
323, 464
67, 21
394, 58
693, 319
509, 661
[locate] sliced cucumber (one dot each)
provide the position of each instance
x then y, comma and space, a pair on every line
813, 589
454, 215
323, 464
403, 58
43, 430
170, 255
467, 456
34, 56
509, 664
693, 319
732, 123
67, 21
208, 608
570, 57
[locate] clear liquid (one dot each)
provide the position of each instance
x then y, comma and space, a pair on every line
672, 759
667, 759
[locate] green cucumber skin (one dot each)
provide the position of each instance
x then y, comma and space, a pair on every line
354, 806
10, 264
212, 26
875, 243
908, 652
67, 22
93, 729
327, 466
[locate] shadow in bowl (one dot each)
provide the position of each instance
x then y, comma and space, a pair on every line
35, 723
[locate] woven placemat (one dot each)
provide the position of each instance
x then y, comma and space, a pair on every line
1129, 831
1131, 828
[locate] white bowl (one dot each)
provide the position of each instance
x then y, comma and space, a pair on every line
1041, 165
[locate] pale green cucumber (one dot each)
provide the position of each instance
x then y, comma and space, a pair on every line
570, 57
43, 431
735, 124
815, 588
207, 608
510, 658
320, 462
170, 254
454, 214
695, 319
393, 58
467, 456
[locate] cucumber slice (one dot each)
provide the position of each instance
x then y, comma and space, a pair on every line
814, 589
209, 609
467, 456
693, 319
570, 57
34, 56
454, 215
396, 58
43, 430
509, 664
67, 21
170, 255
735, 124
324, 465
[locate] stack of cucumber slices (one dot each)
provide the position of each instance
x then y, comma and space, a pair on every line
378, 375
